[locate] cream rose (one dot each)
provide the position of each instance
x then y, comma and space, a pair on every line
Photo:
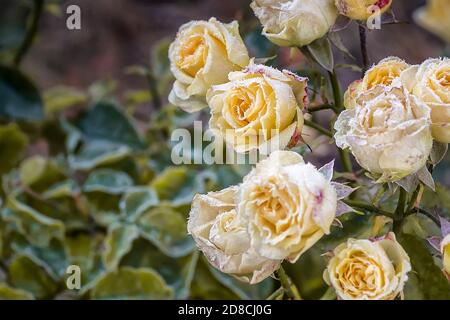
435, 17
222, 237
430, 83
295, 22
362, 9
202, 55
259, 108
368, 269
445, 249
287, 205
388, 132
382, 74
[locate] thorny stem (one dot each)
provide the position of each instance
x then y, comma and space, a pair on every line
413, 200
400, 211
363, 43
290, 289
318, 128
38, 6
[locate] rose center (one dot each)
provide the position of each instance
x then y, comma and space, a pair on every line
193, 54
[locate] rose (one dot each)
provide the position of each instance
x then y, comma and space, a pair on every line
260, 108
220, 234
382, 74
362, 9
430, 82
435, 17
368, 269
445, 249
388, 132
287, 206
202, 55
295, 22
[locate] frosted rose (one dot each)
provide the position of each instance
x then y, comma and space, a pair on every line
202, 55
382, 74
219, 233
430, 83
388, 132
295, 22
368, 269
259, 108
362, 9
435, 17
288, 206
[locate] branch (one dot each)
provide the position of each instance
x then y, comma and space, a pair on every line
38, 6
363, 43
290, 289
319, 128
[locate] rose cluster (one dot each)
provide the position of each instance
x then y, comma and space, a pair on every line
393, 114
284, 206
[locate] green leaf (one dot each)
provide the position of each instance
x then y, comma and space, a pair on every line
33, 225
178, 273
244, 290
107, 181
337, 42
430, 280
179, 185
39, 173
166, 229
118, 243
129, 283
27, 275
136, 201
59, 98
9, 293
320, 51
63, 189
98, 153
205, 285
13, 143
19, 97
107, 122
52, 258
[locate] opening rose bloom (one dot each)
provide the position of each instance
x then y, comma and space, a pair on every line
388, 132
222, 237
430, 83
368, 269
202, 55
288, 206
259, 108
295, 22
362, 9
382, 74
435, 17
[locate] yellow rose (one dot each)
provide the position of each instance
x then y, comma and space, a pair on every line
295, 22
362, 9
430, 82
287, 205
259, 108
388, 132
435, 17
445, 249
202, 55
382, 74
368, 270
221, 236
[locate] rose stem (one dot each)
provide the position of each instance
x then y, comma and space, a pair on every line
276, 294
156, 98
286, 282
38, 6
318, 128
345, 156
400, 211
363, 43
